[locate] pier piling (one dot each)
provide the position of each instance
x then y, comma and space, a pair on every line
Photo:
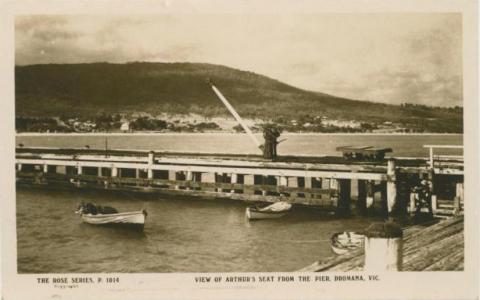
457, 202
370, 194
319, 181
249, 181
391, 187
233, 180
411, 206
362, 197
382, 187
383, 247
344, 194
114, 172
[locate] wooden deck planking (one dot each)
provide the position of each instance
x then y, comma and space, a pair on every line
439, 247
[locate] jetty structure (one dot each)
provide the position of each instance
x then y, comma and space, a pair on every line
328, 182
437, 247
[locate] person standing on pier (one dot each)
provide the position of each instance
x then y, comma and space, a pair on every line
423, 199
270, 134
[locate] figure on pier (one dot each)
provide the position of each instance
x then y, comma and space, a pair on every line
271, 133
423, 198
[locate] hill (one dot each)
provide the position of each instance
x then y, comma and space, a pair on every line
89, 89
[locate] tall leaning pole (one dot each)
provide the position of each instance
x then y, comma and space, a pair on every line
235, 115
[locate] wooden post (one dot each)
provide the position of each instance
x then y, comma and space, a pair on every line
221, 177
412, 206
403, 194
431, 157
99, 171
45, 168
151, 161
248, 182
431, 179
457, 202
233, 179
383, 247
264, 182
172, 176
79, 172
344, 190
308, 182
362, 196
431, 185
308, 185
459, 190
383, 199
137, 173
19, 167
151, 158
292, 182
334, 184
434, 204
370, 194
114, 171
188, 178
391, 187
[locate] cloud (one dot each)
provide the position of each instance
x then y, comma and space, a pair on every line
391, 58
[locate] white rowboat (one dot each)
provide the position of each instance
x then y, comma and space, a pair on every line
134, 219
273, 211
344, 242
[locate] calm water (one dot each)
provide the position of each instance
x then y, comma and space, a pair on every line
296, 144
181, 235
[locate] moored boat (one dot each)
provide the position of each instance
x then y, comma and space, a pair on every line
111, 217
344, 242
272, 211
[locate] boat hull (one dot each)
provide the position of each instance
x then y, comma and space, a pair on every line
340, 251
253, 214
127, 219
345, 242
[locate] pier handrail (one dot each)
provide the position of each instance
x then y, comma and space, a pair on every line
431, 147
444, 146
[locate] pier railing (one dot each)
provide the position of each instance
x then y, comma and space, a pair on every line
329, 183
442, 157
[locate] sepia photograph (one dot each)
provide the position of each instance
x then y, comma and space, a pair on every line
321, 143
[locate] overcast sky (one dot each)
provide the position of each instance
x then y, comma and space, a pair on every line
392, 58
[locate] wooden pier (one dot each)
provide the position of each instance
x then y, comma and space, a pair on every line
439, 247
327, 182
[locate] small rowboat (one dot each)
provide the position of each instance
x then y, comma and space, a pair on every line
111, 217
134, 219
344, 242
272, 211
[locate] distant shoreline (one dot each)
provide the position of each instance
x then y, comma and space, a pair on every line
222, 133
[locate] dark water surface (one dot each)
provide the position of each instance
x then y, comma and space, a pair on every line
181, 235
